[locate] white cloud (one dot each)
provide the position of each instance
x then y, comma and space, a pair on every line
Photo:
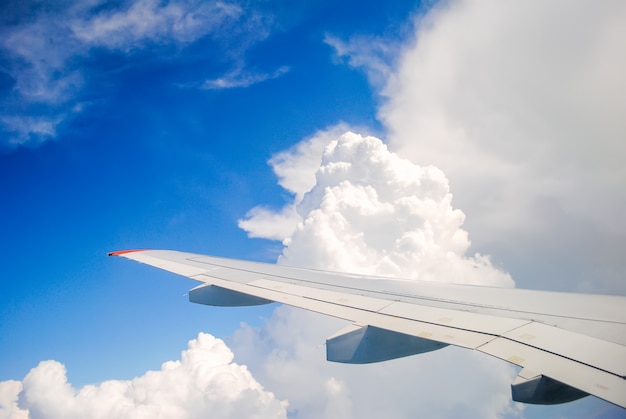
370, 212
38, 54
367, 210
203, 382
30, 129
155, 21
42, 49
372, 54
522, 106
45, 54
241, 78
265, 223
295, 169
9, 393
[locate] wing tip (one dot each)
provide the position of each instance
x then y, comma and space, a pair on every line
123, 252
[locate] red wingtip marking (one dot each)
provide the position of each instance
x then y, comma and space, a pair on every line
122, 252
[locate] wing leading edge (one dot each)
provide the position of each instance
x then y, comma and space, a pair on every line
568, 345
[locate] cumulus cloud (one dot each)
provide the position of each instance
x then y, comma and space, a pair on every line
9, 393
522, 106
266, 223
361, 208
295, 169
370, 212
204, 382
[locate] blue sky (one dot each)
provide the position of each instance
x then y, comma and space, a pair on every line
152, 160
150, 125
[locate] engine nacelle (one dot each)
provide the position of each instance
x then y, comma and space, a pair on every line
367, 344
212, 295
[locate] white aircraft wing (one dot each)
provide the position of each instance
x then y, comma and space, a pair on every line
568, 345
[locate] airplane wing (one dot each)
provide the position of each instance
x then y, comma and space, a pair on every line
568, 345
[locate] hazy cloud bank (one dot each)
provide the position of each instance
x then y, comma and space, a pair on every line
522, 106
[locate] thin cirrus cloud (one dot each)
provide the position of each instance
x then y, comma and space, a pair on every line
153, 21
372, 54
242, 78
46, 54
40, 127
204, 381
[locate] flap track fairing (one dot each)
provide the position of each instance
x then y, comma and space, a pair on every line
368, 344
212, 295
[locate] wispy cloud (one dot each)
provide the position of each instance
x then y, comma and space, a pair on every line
374, 55
153, 21
242, 78
29, 129
46, 53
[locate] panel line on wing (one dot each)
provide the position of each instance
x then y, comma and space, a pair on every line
323, 283
446, 334
503, 327
376, 308
573, 346
585, 377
